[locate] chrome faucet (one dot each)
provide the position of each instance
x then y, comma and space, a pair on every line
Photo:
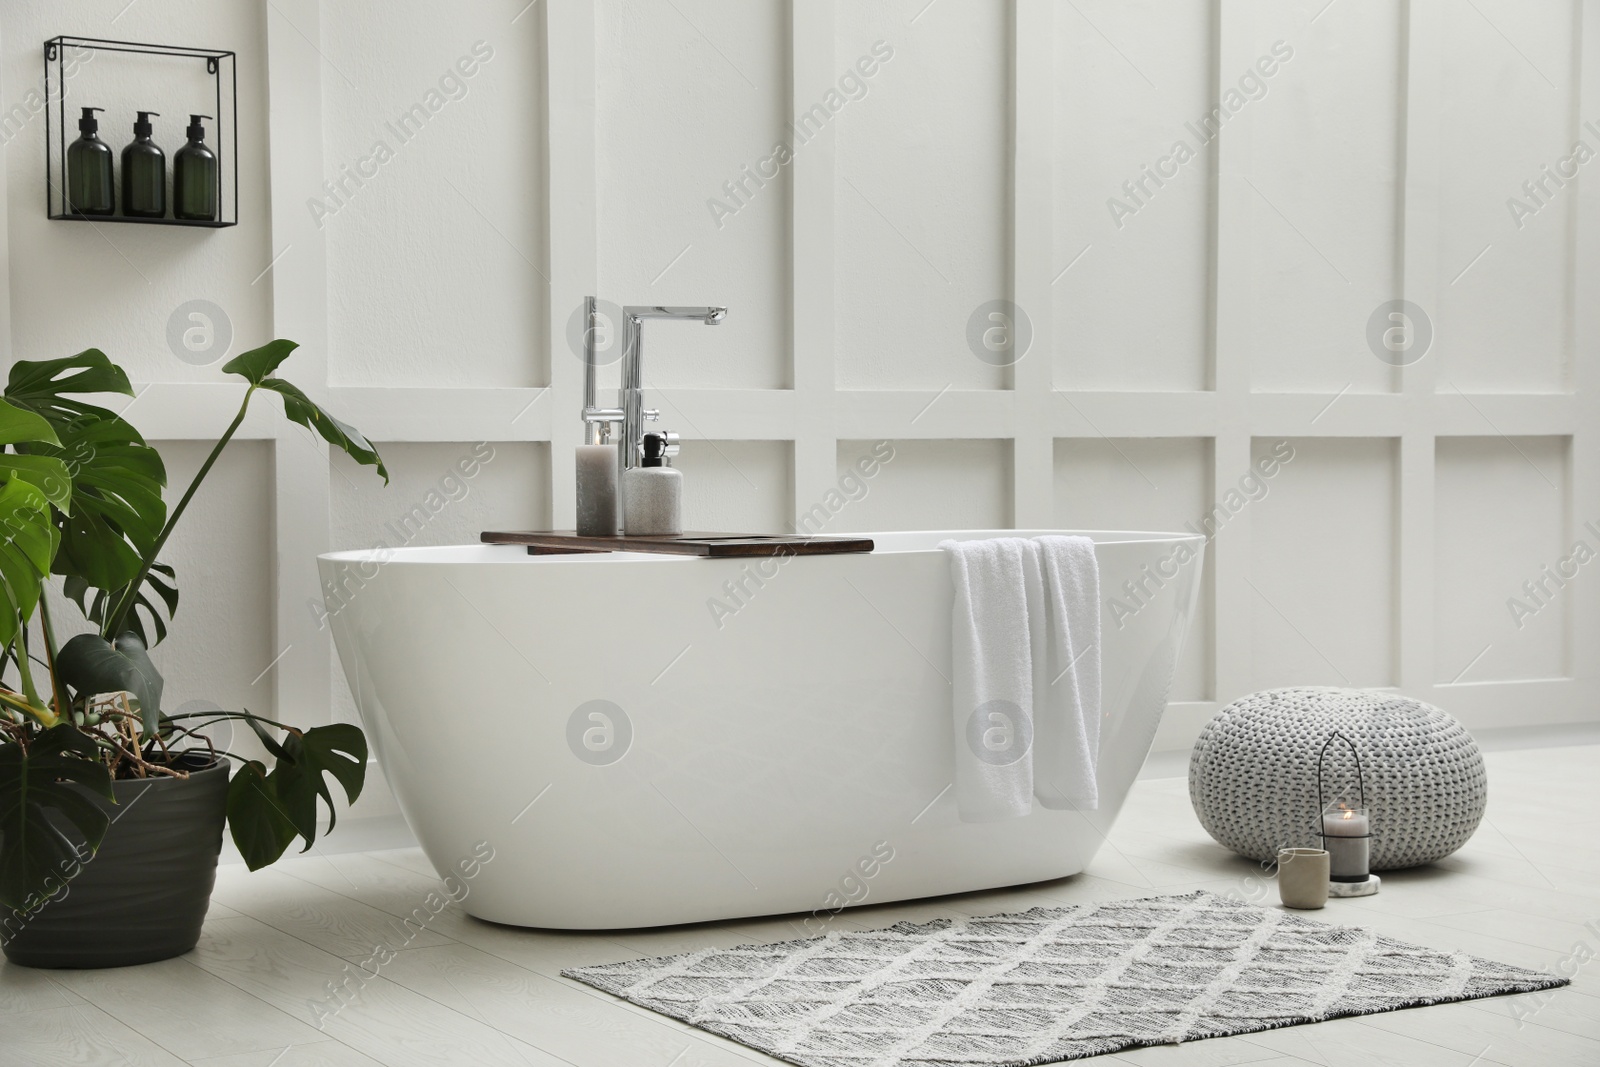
632, 413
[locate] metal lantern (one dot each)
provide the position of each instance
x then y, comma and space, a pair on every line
1346, 830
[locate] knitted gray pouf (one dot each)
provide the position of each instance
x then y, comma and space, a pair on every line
1253, 773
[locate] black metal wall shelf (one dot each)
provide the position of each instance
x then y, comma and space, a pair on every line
220, 65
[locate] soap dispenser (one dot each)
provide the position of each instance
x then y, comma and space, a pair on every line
652, 493
89, 182
194, 177
144, 173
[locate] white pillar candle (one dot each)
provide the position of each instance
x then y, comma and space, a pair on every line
597, 490
1345, 833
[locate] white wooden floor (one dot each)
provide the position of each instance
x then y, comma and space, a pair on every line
1526, 890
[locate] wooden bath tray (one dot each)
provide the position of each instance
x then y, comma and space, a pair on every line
710, 545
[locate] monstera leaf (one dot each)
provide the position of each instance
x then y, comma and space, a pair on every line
161, 581
266, 811
339, 750
117, 511
260, 828
48, 475
41, 387
27, 544
28, 537
256, 367
114, 513
20, 426
34, 854
91, 665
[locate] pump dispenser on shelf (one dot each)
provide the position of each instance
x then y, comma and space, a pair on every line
144, 173
89, 181
652, 493
194, 177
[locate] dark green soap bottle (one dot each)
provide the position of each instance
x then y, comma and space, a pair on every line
144, 173
89, 182
194, 177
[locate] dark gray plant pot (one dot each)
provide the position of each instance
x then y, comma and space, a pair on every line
143, 896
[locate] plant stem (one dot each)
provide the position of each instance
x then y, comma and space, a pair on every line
30, 704
20, 642
219, 716
115, 619
28, 690
56, 702
18, 702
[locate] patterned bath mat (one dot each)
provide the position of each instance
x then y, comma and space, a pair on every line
1048, 984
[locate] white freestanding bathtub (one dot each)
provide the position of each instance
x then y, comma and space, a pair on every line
646, 739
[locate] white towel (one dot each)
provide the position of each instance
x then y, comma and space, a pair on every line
1066, 703
992, 686
1026, 686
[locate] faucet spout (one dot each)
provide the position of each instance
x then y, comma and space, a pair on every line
632, 392
711, 316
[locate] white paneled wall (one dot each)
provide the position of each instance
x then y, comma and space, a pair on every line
1513, 73
1198, 283
1322, 575
932, 485
921, 186
688, 98
434, 219
1529, 636
1145, 483
739, 485
1133, 296
1316, 185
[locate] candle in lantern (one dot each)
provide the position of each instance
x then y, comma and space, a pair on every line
1345, 833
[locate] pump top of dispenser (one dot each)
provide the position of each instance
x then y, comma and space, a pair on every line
654, 447
89, 124
196, 131
141, 125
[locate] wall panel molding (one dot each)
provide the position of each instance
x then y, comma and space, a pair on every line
811, 422
1031, 411
302, 673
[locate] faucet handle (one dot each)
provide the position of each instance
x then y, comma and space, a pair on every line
651, 414
597, 424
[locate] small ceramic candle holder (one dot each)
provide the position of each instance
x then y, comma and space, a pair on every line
1303, 877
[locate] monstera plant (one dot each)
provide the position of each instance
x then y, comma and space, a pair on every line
82, 726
